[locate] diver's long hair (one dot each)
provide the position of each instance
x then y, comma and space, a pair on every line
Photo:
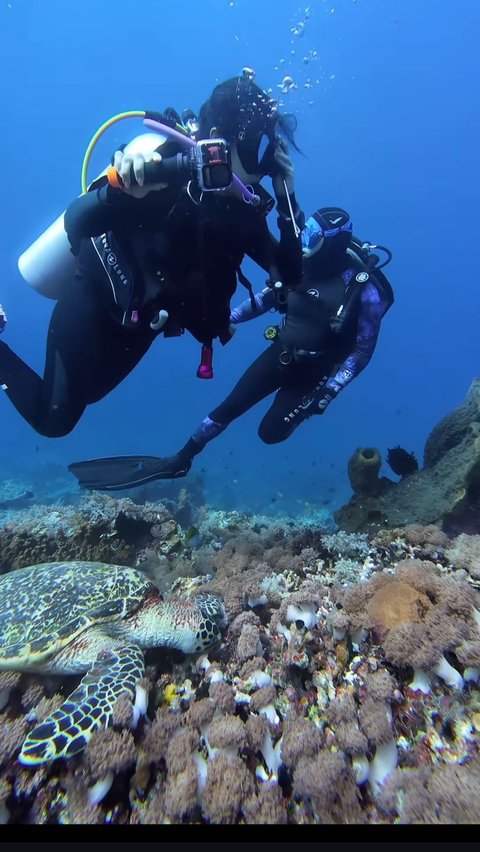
238, 104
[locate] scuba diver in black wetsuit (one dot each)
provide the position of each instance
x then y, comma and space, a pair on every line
325, 339
162, 259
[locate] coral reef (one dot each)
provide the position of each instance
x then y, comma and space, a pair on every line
345, 689
445, 492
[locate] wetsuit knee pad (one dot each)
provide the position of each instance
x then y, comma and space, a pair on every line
271, 433
57, 423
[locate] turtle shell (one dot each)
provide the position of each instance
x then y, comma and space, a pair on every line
45, 607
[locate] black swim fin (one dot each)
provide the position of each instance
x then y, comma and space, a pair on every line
118, 472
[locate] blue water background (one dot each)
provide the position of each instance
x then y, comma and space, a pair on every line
389, 129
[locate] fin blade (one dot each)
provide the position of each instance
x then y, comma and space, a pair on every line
118, 472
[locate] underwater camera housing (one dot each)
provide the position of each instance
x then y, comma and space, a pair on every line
213, 166
208, 164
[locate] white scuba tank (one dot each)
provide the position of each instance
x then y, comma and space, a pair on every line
48, 264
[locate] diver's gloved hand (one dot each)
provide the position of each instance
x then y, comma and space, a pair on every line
134, 164
323, 398
284, 170
3, 320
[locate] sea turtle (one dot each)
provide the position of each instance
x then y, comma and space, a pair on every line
69, 617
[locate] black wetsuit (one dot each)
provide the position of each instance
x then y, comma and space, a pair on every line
134, 258
309, 362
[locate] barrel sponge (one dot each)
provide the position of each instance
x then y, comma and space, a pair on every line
363, 470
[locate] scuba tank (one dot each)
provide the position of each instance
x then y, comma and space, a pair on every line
48, 264
369, 267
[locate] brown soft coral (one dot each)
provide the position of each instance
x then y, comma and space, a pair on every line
307, 599
263, 697
181, 788
328, 782
417, 615
256, 727
229, 784
342, 716
12, 735
200, 713
438, 795
223, 695
301, 739
180, 750
238, 591
228, 732
464, 552
267, 807
374, 721
158, 735
428, 538
180, 797
245, 629
110, 751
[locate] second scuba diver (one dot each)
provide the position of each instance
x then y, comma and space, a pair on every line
160, 262
325, 339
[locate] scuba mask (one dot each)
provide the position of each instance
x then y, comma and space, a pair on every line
325, 223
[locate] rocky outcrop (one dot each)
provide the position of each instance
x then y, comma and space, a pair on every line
446, 491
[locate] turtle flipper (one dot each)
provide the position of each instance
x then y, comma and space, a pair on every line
67, 730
